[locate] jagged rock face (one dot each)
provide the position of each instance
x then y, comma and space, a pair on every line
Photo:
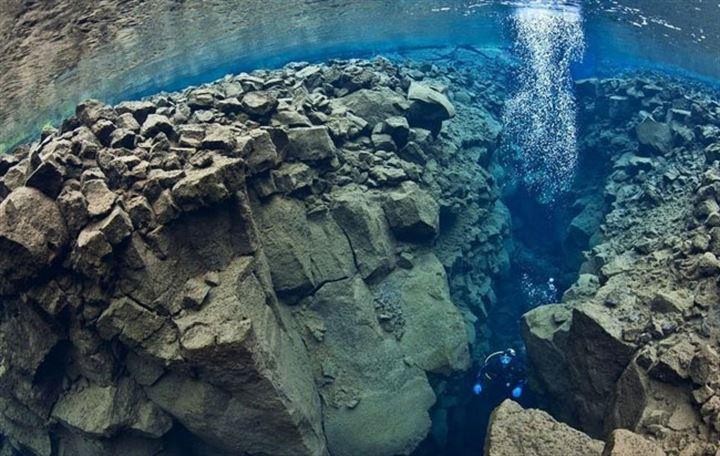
528, 432
634, 344
359, 387
304, 252
362, 220
33, 234
518, 432
101, 411
625, 443
249, 265
590, 348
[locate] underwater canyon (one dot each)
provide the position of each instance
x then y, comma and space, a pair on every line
316, 257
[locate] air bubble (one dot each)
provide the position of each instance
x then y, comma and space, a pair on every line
540, 119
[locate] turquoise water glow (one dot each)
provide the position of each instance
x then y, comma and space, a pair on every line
161, 46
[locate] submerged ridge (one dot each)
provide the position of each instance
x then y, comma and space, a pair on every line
330, 249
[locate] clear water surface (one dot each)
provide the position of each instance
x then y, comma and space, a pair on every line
54, 55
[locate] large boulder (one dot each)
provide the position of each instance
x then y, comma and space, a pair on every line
630, 399
48, 178
428, 107
362, 220
304, 251
514, 431
32, 234
26, 341
583, 227
374, 105
211, 185
578, 355
310, 144
626, 443
413, 214
116, 227
654, 137
545, 330
291, 177
157, 267
140, 110
433, 331
90, 253
98, 196
74, 208
374, 402
155, 124
247, 370
99, 411
264, 153
140, 329
91, 111
258, 104
219, 137
597, 356
29, 344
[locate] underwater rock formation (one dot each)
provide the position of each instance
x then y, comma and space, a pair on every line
515, 431
302, 261
261, 265
634, 343
519, 432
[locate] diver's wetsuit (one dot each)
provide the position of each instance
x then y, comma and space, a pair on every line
495, 374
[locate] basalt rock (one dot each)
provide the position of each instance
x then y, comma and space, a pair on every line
625, 443
155, 124
99, 198
518, 432
527, 432
373, 105
105, 411
638, 349
33, 234
140, 110
363, 222
48, 178
359, 387
412, 213
654, 136
258, 104
207, 186
191, 265
310, 144
428, 313
303, 251
428, 107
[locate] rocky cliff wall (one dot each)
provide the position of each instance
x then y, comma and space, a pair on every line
262, 265
634, 343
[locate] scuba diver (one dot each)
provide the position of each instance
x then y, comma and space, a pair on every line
503, 372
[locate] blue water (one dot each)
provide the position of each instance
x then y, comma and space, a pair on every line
611, 46
171, 50
614, 42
